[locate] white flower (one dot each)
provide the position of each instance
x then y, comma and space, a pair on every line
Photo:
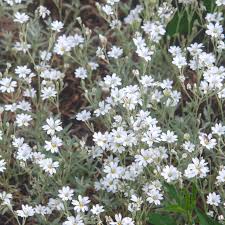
112, 2
188, 146
51, 74
24, 152
42, 210
6, 198
56, 204
57, 25
23, 119
22, 46
115, 24
2, 165
83, 115
66, 193
221, 176
221, 218
53, 145
214, 30
115, 52
142, 50
24, 105
45, 55
147, 81
170, 173
113, 170
218, 129
119, 136
210, 213
7, 85
169, 137
10, 2
220, 2
152, 135
18, 142
11, 107
213, 199
52, 126
93, 65
214, 17
1, 134
81, 72
22, 71
175, 51
49, 166
136, 203
221, 94
71, 220
80, 205
207, 141
26, 211
15, 1
48, 92
195, 49
103, 108
179, 61
30, 93
37, 157
97, 209
66, 43
101, 139
154, 196
122, 221
107, 9
206, 60
144, 158
155, 30
134, 15
111, 81
197, 169
43, 11
21, 18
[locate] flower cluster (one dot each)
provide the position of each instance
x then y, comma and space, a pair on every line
149, 127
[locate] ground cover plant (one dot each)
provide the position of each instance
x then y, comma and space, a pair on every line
112, 112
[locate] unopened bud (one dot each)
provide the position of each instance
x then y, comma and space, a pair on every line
189, 86
79, 20
103, 40
136, 72
187, 136
88, 31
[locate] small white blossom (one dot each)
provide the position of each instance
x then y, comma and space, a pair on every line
97, 209
197, 169
83, 115
57, 25
213, 199
81, 205
170, 173
66, 193
81, 73
6, 198
26, 211
52, 126
23, 120
7, 85
115, 52
21, 17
